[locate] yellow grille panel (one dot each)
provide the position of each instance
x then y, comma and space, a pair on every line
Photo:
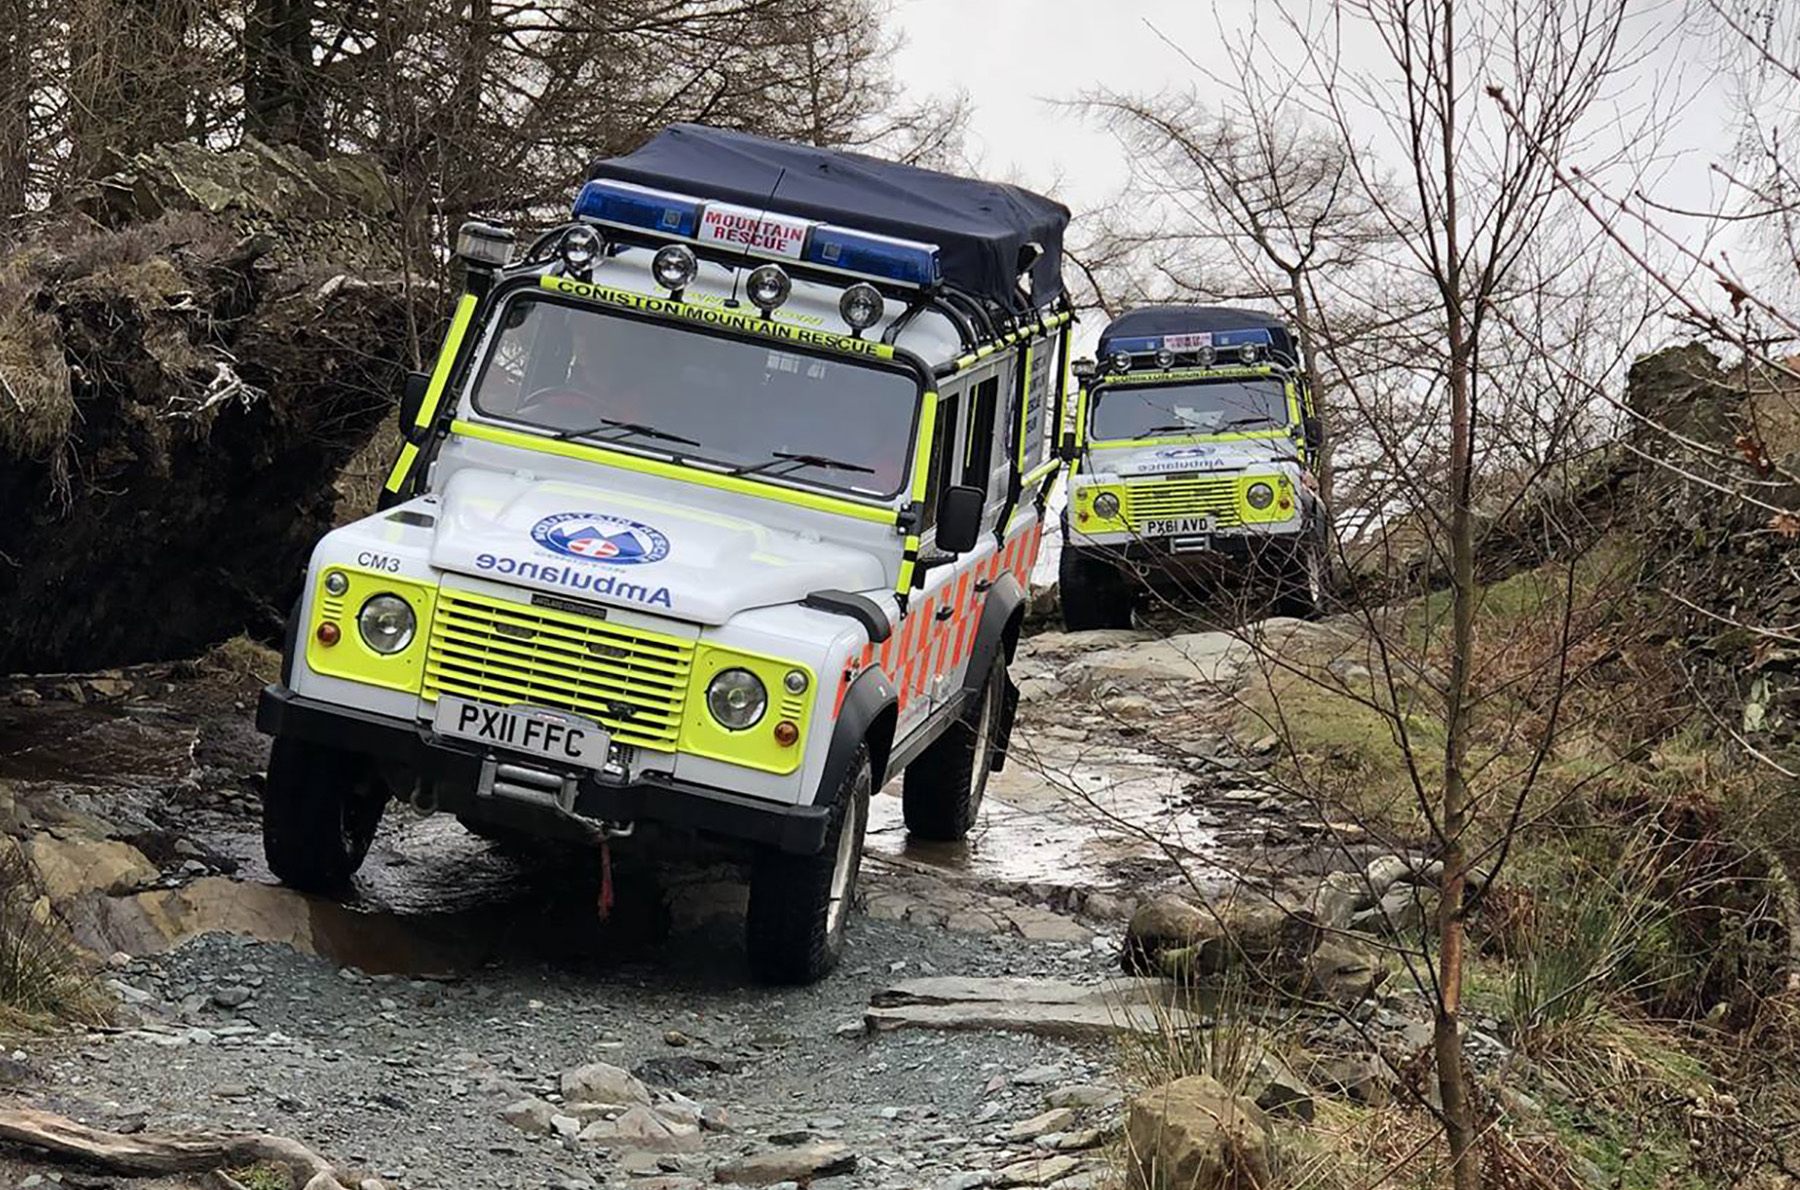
1216, 498
632, 681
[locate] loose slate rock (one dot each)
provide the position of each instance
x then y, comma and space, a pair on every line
601, 1082
825, 1159
1054, 1120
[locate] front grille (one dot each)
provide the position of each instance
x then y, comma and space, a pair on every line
1159, 500
633, 682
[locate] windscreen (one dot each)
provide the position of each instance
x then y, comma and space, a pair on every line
1174, 410
593, 376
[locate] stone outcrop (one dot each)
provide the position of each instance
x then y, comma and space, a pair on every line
1193, 1134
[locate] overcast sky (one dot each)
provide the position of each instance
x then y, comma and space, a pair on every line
1016, 57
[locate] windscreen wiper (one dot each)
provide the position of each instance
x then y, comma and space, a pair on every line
1172, 428
778, 457
626, 427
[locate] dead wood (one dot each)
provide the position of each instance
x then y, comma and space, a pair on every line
179, 1152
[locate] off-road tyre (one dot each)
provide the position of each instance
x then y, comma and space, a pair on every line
1304, 586
794, 932
942, 788
320, 808
1093, 593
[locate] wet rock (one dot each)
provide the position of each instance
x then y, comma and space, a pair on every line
1035, 1171
1341, 972
1082, 1096
72, 867
642, 1129
601, 1082
825, 1159
1049, 1007
1259, 933
1405, 909
1193, 1134
1276, 1089
1159, 924
531, 1116
1039, 925
26, 698
1055, 1120
1363, 1078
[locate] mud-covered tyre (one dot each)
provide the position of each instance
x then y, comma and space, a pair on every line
321, 806
1093, 593
942, 788
794, 931
1304, 587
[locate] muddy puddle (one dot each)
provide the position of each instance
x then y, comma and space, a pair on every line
1069, 816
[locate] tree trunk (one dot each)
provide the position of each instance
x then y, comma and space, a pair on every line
127, 84
282, 101
17, 32
1453, 819
1309, 361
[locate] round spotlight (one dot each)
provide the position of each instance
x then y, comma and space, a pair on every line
579, 248
675, 266
1204, 357
862, 306
1247, 353
1121, 361
768, 286
1165, 359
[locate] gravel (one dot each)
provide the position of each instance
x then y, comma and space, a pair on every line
409, 1080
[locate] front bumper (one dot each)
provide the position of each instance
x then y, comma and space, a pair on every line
453, 773
1271, 551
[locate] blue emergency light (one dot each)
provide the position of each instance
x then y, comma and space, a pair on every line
677, 216
1221, 341
624, 205
905, 261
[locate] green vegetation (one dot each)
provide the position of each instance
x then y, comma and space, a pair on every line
41, 978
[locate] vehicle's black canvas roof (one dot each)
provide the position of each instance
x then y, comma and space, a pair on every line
979, 227
1182, 320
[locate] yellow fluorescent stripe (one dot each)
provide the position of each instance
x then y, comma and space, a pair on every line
904, 583
1052, 465
1025, 400
922, 460
402, 465
1232, 372
709, 479
748, 324
446, 360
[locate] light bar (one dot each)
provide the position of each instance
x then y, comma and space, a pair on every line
765, 234
905, 261
622, 204
1183, 344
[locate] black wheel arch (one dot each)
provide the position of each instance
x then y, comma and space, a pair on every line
870, 712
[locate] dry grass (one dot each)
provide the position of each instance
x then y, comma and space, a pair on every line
37, 408
242, 657
41, 977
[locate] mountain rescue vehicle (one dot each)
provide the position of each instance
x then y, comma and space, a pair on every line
715, 513
1194, 441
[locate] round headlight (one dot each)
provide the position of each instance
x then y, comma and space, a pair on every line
861, 306
1165, 359
768, 286
1121, 361
737, 699
580, 248
336, 583
675, 266
1107, 505
386, 623
795, 681
1260, 495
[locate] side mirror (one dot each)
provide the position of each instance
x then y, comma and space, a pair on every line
1313, 429
1085, 369
959, 519
412, 398
1068, 451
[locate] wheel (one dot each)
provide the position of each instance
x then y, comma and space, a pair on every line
321, 806
1303, 587
1092, 593
795, 928
942, 788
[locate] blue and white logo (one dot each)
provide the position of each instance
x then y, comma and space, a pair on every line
1187, 452
596, 537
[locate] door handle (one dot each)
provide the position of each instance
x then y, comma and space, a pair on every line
945, 612
982, 584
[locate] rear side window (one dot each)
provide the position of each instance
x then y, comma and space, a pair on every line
943, 454
978, 454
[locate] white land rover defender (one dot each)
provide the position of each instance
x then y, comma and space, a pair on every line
1194, 437
715, 512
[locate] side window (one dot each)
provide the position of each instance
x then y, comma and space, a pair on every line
978, 449
944, 448
1040, 434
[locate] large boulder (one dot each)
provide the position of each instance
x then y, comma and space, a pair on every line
1193, 1134
1173, 937
179, 391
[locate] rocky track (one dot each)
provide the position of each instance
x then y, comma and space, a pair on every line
426, 1034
